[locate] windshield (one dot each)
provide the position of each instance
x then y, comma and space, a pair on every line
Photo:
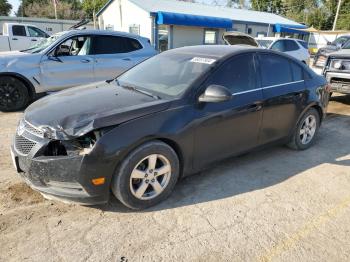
347, 45
37, 48
264, 43
340, 41
169, 74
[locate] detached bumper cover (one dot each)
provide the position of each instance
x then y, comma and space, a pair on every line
61, 177
339, 81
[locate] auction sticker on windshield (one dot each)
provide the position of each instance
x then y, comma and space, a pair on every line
202, 60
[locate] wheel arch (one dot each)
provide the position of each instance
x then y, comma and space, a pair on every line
26, 82
168, 141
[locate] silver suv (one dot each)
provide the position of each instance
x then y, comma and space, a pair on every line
65, 60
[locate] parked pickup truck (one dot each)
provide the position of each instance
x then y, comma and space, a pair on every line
337, 70
20, 36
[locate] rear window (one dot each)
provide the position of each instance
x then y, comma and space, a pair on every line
290, 45
304, 44
275, 70
19, 30
114, 45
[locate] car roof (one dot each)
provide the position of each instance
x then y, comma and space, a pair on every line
217, 51
100, 32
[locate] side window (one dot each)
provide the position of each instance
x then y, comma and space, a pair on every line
131, 44
108, 45
290, 45
304, 44
275, 70
35, 32
278, 46
297, 71
78, 45
238, 74
19, 30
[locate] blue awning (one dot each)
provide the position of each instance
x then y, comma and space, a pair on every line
283, 28
166, 18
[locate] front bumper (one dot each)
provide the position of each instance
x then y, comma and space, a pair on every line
339, 81
67, 178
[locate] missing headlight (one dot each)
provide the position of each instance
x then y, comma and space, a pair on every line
79, 146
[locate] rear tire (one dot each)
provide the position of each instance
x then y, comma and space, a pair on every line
146, 176
306, 131
14, 94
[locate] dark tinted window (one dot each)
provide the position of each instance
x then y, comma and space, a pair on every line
297, 71
278, 46
131, 44
114, 45
290, 45
274, 69
19, 30
238, 74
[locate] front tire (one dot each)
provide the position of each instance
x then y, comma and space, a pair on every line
13, 94
146, 176
306, 131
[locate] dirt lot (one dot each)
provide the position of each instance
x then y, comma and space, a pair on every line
276, 204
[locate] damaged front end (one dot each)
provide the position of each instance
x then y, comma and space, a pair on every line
58, 168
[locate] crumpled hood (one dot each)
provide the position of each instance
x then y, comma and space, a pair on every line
341, 53
79, 110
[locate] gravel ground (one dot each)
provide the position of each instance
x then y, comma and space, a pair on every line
272, 205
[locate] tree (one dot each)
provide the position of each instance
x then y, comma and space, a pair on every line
343, 22
272, 6
66, 9
91, 6
5, 7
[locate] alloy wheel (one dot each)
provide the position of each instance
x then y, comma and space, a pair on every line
308, 129
9, 95
150, 177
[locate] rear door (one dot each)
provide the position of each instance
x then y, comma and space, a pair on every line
18, 38
113, 55
283, 90
226, 128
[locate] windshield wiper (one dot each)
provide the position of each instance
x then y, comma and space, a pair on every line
135, 89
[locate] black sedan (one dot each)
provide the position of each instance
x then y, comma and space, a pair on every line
168, 117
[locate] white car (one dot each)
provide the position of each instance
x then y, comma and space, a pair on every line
293, 47
65, 60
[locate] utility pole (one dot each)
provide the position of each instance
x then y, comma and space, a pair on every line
55, 7
336, 15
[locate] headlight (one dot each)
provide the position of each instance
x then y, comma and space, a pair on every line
337, 64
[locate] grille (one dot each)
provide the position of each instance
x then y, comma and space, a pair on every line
32, 129
23, 145
340, 81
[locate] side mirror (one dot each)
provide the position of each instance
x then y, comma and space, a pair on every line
329, 43
215, 93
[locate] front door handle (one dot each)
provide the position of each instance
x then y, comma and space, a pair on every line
34, 40
85, 61
255, 107
127, 59
14, 39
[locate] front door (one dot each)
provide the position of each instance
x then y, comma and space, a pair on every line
227, 128
68, 65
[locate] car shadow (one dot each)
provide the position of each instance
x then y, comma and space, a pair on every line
254, 171
344, 99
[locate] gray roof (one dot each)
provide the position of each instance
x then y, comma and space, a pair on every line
234, 14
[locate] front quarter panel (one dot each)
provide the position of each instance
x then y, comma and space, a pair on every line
174, 126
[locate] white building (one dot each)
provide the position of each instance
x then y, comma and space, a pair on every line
171, 23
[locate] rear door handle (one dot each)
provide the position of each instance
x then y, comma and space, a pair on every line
126, 59
34, 40
85, 61
14, 39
